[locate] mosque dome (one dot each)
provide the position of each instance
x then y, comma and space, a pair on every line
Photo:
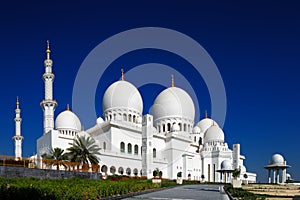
205, 123
214, 133
277, 159
122, 94
175, 128
67, 120
226, 165
99, 120
196, 130
173, 102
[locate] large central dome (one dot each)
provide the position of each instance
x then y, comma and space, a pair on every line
173, 102
122, 94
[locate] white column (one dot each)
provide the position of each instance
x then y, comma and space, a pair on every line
277, 173
274, 176
269, 176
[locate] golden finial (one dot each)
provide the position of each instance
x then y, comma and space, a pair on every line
48, 47
68, 106
122, 71
17, 102
172, 77
206, 115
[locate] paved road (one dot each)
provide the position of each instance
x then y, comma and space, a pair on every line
187, 192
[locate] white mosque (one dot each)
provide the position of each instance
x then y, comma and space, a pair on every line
135, 144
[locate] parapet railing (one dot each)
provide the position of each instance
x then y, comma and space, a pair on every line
47, 164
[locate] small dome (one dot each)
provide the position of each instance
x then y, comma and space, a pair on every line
173, 102
67, 120
175, 128
196, 130
205, 123
277, 159
99, 120
122, 94
226, 165
214, 133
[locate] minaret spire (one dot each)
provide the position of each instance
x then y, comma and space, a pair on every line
206, 115
18, 137
122, 71
172, 81
48, 50
48, 104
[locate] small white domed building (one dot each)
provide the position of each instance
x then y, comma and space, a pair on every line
278, 166
135, 144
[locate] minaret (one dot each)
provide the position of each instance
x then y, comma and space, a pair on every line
18, 138
48, 104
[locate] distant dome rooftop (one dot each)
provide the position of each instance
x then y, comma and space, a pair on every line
276, 159
67, 120
205, 123
122, 94
173, 102
214, 133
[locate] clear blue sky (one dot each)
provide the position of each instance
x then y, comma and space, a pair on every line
254, 44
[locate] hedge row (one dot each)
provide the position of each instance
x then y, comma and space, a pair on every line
240, 193
75, 188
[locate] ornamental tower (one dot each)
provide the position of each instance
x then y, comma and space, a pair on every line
48, 104
18, 138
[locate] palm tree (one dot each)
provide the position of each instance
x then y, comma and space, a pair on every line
84, 150
56, 156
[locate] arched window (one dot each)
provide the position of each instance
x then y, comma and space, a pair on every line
121, 170
200, 141
169, 127
104, 169
129, 117
134, 118
184, 127
104, 145
115, 116
164, 128
154, 153
159, 128
124, 117
129, 148
195, 139
112, 170
135, 171
141, 150
180, 126
128, 171
122, 147
136, 149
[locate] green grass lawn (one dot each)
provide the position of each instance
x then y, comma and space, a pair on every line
74, 188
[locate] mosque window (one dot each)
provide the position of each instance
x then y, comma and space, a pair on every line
124, 117
112, 170
104, 169
134, 119
135, 171
154, 153
189, 128
195, 139
104, 145
180, 126
168, 127
159, 128
141, 150
110, 117
121, 170
164, 128
184, 127
129, 117
122, 147
128, 171
129, 148
136, 149
115, 116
